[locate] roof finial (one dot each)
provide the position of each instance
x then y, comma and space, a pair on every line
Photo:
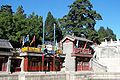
111, 40
105, 40
118, 41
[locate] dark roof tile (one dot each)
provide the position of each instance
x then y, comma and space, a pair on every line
5, 44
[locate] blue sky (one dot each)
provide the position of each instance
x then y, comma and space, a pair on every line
107, 8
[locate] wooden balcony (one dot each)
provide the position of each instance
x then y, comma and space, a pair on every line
82, 51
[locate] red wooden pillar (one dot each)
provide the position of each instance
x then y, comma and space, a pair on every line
42, 62
85, 45
89, 66
4, 66
53, 62
60, 65
26, 64
79, 66
51, 65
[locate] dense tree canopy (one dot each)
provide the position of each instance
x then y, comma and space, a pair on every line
6, 23
49, 28
13, 26
19, 23
80, 21
106, 34
80, 18
34, 27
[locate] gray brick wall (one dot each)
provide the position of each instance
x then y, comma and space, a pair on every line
69, 60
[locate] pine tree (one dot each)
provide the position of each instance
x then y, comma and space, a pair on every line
49, 28
81, 17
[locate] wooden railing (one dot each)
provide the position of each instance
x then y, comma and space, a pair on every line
81, 50
98, 66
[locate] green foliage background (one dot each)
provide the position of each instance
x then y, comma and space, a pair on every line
80, 21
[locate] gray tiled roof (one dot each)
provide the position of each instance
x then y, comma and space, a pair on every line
83, 39
80, 38
5, 44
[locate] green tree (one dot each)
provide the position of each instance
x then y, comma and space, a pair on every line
49, 28
79, 17
24, 26
6, 9
19, 25
58, 31
6, 25
110, 33
19, 21
91, 34
102, 33
34, 27
106, 34
14, 26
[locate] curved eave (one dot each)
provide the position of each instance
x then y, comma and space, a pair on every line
2, 53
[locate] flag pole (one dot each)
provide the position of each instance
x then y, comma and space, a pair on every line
43, 34
34, 41
54, 51
43, 49
54, 34
23, 40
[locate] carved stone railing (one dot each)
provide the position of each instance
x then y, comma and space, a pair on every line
97, 66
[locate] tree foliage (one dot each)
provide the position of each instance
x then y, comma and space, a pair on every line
19, 23
49, 28
110, 33
6, 23
34, 27
14, 26
106, 34
80, 18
